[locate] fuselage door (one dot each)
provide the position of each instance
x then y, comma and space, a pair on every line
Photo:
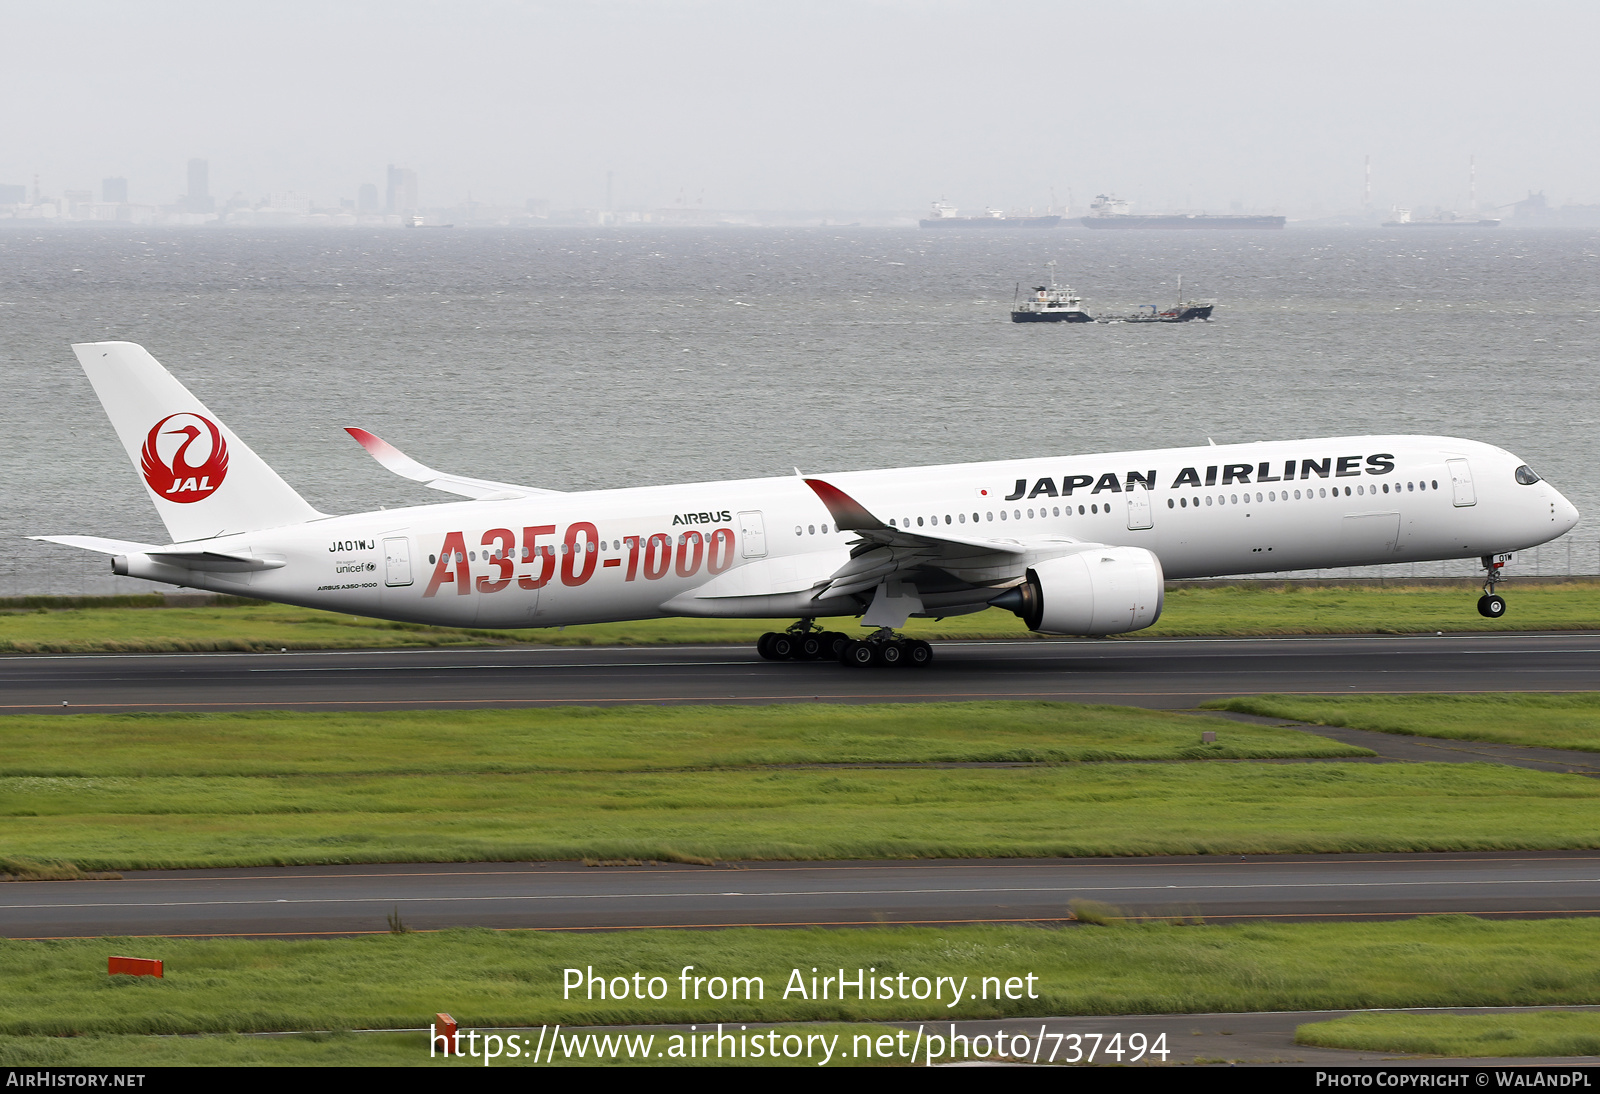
1461, 482
397, 562
753, 534
1141, 514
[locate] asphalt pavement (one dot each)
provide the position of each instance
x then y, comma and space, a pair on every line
322, 900
1177, 673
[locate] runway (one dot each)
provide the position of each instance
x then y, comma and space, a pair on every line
299, 901
1164, 673
1161, 673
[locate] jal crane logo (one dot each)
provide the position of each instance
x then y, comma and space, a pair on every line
178, 468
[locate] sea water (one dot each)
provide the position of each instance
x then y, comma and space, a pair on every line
590, 358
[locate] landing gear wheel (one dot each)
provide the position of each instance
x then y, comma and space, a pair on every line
811, 647
834, 643
1492, 605
918, 653
857, 653
890, 653
764, 646
783, 647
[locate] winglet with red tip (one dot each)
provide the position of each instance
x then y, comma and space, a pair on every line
848, 513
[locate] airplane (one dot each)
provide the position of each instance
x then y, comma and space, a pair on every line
1074, 544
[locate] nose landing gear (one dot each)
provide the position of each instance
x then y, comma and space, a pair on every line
1491, 604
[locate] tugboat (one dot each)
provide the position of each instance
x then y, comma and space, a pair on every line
944, 216
1050, 303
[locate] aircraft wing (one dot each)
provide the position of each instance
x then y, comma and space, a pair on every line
407, 468
883, 552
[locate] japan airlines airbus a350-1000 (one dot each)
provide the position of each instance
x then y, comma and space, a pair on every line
1072, 544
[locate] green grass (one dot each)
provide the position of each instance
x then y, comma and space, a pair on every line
1531, 1033
1247, 608
515, 978
1242, 609
1546, 721
625, 738
120, 822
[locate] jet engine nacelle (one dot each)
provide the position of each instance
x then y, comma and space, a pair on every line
1102, 590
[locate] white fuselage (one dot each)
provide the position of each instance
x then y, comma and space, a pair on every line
759, 547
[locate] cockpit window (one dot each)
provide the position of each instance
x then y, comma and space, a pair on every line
1526, 475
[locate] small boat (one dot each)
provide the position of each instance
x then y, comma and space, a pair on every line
1181, 312
1050, 303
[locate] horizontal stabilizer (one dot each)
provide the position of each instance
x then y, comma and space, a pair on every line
189, 558
97, 543
407, 468
214, 561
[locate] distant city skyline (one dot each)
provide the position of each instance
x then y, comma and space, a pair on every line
871, 105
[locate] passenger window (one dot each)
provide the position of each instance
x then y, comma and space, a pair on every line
1171, 504
1030, 514
1436, 484
1080, 510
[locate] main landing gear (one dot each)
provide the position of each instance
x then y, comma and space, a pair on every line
805, 641
1491, 604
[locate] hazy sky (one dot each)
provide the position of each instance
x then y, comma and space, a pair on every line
810, 105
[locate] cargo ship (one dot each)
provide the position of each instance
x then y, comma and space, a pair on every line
1110, 212
946, 215
1404, 219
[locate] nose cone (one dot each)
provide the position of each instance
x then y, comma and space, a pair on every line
1566, 514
